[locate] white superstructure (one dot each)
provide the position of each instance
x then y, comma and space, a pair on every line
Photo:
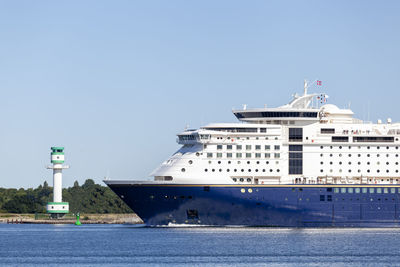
295, 143
57, 207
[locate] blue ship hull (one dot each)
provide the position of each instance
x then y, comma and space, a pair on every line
264, 205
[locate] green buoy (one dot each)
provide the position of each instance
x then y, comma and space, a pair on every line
77, 219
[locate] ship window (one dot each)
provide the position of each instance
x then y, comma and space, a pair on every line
267, 155
263, 130
267, 147
380, 139
209, 155
350, 190
277, 155
238, 155
329, 197
357, 190
219, 155
229, 155
295, 134
392, 190
322, 198
239, 147
364, 190
277, 147
229, 147
219, 147
379, 190
205, 170
258, 155
343, 190
258, 147
329, 189
248, 147
372, 190
327, 130
340, 139
248, 155
385, 190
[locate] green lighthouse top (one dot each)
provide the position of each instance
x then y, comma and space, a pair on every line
55, 150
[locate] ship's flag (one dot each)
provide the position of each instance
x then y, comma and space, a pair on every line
319, 82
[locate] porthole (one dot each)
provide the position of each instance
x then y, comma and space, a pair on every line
387, 171
205, 170
340, 163
397, 163
209, 162
378, 155
368, 163
397, 172
331, 147
321, 147
235, 170
249, 170
359, 171
190, 162
368, 171
256, 170
321, 155
248, 162
330, 155
387, 147
248, 180
258, 162
349, 170
378, 171
227, 170
322, 163
368, 147
397, 155
349, 155
238, 162
349, 147
321, 170
229, 162
377, 147
387, 163
234, 179
183, 170
242, 170
330, 170
242, 180
263, 170
220, 170
340, 147
213, 170
368, 155
349, 162
250, 190
270, 170
331, 163
219, 162
267, 162
278, 170
387, 155
359, 155
358, 163
197, 154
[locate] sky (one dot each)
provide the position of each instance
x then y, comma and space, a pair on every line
115, 81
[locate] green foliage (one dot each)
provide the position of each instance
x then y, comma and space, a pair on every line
88, 198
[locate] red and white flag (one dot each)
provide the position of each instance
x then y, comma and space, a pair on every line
319, 82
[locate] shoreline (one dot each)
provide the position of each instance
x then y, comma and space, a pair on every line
127, 218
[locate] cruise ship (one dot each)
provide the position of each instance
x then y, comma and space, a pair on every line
303, 164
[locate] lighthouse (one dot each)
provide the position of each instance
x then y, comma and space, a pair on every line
57, 208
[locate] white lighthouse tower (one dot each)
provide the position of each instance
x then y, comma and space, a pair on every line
57, 208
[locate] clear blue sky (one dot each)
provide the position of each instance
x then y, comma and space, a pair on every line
114, 81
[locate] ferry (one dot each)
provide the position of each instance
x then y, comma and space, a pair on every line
303, 164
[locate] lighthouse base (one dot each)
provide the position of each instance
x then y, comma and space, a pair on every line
57, 209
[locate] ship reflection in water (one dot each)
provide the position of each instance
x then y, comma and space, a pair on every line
111, 245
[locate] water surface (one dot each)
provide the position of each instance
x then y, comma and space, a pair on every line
117, 245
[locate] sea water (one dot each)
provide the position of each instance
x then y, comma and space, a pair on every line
121, 245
